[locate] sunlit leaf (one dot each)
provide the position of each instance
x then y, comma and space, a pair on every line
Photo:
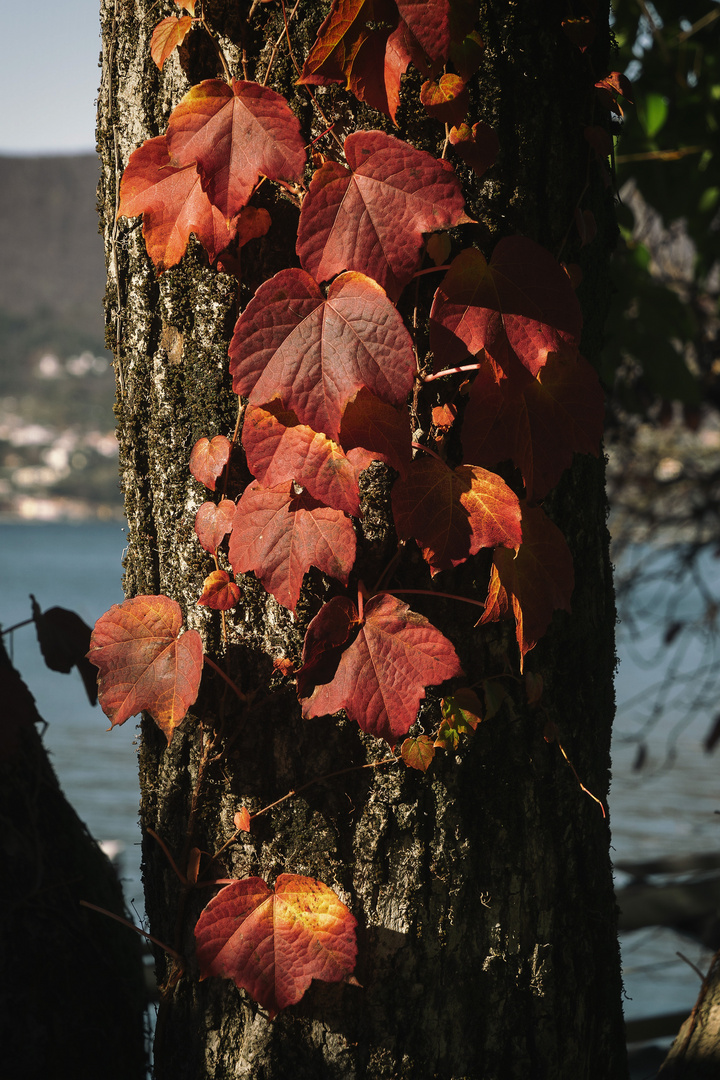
314, 354
371, 216
380, 677
279, 535
145, 662
520, 303
236, 134
452, 514
273, 943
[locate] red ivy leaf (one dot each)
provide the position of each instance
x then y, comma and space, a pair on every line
371, 216
379, 429
467, 55
446, 100
429, 25
538, 423
279, 535
520, 302
380, 677
533, 583
186, 5
219, 593
274, 943
173, 205
418, 753
453, 514
213, 523
167, 35
236, 135
208, 458
478, 146
279, 449
357, 46
315, 354
241, 821
145, 662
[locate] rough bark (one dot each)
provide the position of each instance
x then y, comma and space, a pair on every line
695, 1053
483, 890
72, 990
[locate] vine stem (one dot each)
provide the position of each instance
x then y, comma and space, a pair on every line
430, 592
450, 371
16, 626
137, 929
298, 791
233, 686
287, 21
427, 450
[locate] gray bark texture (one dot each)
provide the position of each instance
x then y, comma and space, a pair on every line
487, 940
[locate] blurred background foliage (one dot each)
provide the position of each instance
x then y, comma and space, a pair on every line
663, 343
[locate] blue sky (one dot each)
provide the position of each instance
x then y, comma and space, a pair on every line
49, 76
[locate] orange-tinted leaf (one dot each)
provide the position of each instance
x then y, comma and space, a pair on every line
279, 449
446, 100
536, 582
454, 513
538, 424
173, 205
167, 35
236, 135
478, 146
520, 303
145, 662
279, 535
241, 821
274, 943
314, 354
380, 677
64, 640
418, 753
371, 216
443, 416
378, 428
208, 458
617, 83
213, 522
187, 5
219, 593
356, 46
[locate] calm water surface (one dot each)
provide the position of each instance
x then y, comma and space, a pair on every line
662, 810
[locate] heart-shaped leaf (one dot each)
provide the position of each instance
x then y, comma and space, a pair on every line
213, 522
236, 134
380, 677
145, 662
273, 943
454, 513
208, 458
279, 535
537, 423
314, 354
173, 204
372, 215
219, 593
520, 303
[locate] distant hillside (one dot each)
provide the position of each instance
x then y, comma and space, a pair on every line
52, 270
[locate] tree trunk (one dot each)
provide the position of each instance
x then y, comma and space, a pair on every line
482, 889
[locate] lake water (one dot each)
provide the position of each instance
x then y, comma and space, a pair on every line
666, 808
